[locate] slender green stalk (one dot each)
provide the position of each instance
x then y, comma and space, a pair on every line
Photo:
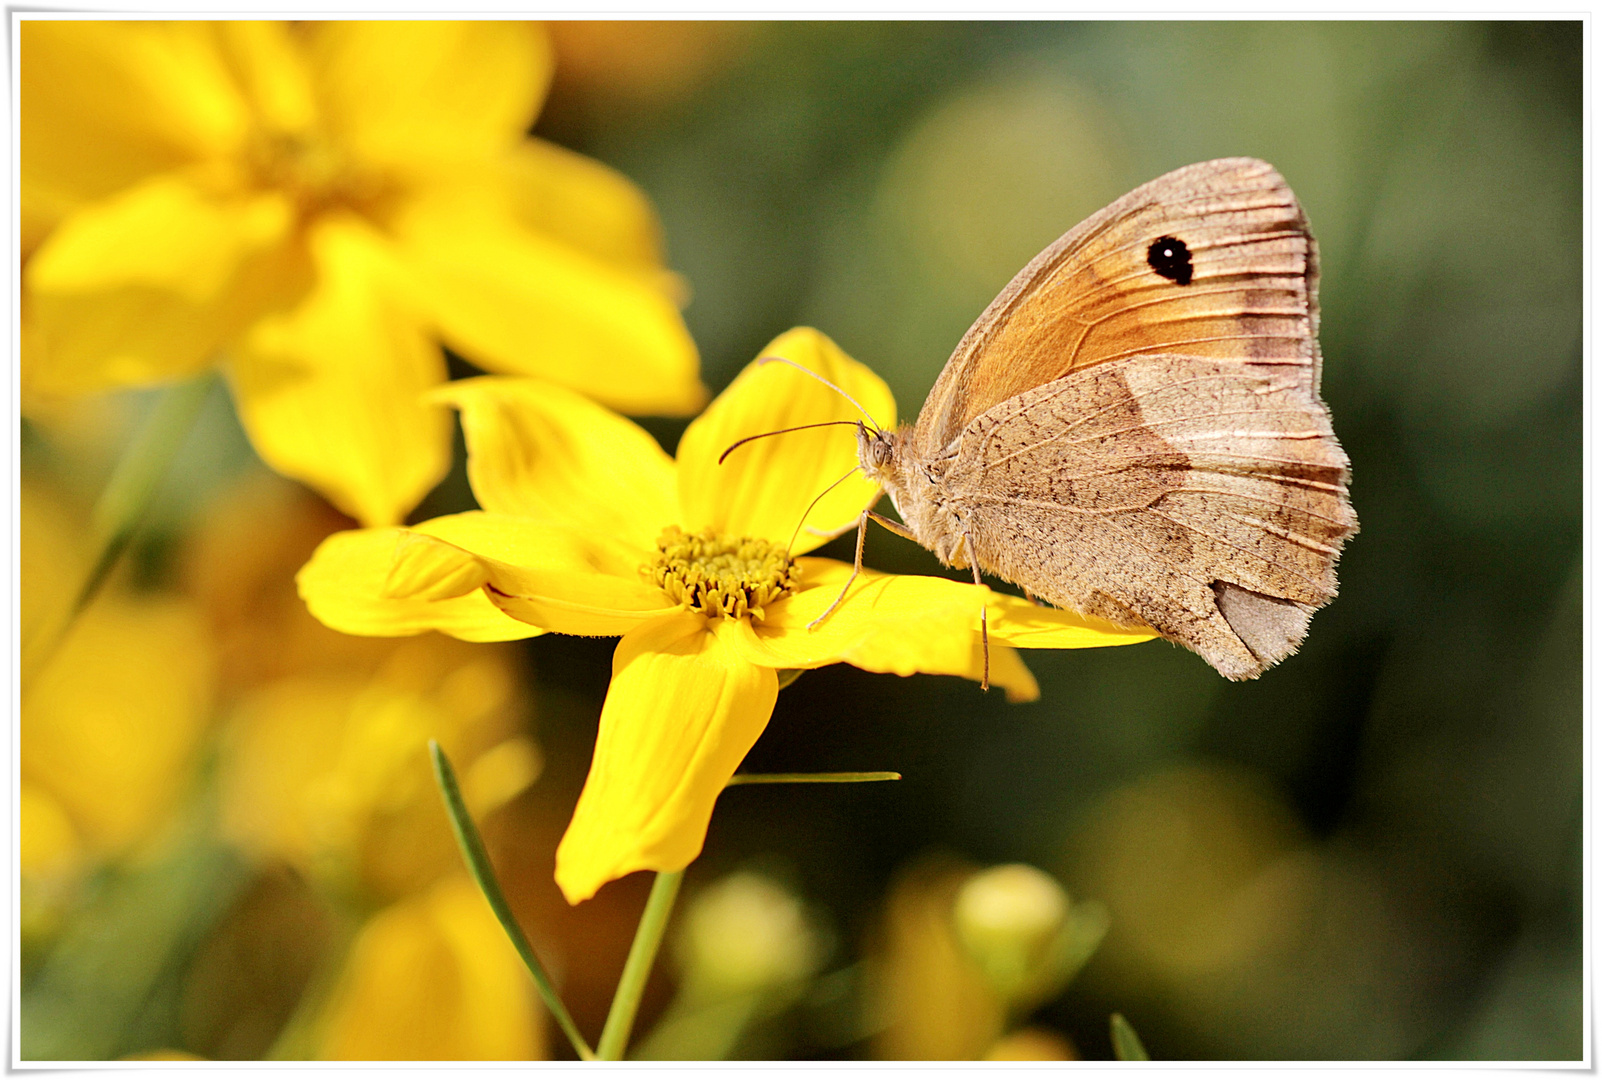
1126, 1044
810, 778
478, 863
637, 969
123, 503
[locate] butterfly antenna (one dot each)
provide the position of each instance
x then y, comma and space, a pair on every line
854, 469
813, 374
799, 427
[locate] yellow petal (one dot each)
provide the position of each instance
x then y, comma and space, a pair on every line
681, 713
540, 451
1025, 625
330, 771
413, 95
107, 104
146, 285
894, 654
930, 617
433, 978
556, 577
900, 624
47, 843
268, 63
763, 488
551, 576
112, 726
581, 202
343, 586
424, 567
524, 302
330, 392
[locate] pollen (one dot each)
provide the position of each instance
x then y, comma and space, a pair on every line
721, 575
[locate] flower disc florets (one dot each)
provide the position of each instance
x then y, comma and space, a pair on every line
316, 174
721, 575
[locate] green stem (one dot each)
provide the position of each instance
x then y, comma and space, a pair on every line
810, 778
123, 503
478, 863
637, 969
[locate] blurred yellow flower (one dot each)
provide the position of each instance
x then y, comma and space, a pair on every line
934, 1003
433, 978
321, 205
589, 528
1032, 1044
331, 772
111, 726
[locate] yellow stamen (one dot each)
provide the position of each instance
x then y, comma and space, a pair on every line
721, 575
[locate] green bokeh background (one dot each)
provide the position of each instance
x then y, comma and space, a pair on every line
1395, 812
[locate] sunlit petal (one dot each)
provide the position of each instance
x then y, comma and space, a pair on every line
105, 104
330, 393
925, 613
764, 487
409, 94
524, 302
682, 711
581, 202
901, 624
537, 450
902, 654
269, 66
559, 578
1025, 625
344, 586
146, 285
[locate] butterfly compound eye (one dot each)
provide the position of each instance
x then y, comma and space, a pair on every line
1170, 257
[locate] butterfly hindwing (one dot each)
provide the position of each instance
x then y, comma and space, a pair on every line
1200, 498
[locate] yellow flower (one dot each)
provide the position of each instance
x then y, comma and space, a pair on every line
330, 772
112, 726
433, 978
589, 528
322, 205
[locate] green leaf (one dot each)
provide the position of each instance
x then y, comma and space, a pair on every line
478, 863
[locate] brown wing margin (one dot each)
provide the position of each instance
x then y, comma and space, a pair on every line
1092, 296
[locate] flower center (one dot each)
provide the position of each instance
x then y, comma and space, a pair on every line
721, 575
314, 173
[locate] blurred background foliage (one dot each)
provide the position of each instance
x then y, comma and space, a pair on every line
230, 844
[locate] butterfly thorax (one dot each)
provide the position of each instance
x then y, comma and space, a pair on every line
914, 483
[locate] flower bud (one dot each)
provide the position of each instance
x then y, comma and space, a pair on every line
1022, 931
746, 934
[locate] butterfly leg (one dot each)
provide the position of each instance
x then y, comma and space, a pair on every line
856, 567
984, 614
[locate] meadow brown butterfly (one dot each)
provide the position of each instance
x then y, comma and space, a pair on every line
1133, 430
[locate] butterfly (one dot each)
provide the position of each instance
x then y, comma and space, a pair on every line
1133, 429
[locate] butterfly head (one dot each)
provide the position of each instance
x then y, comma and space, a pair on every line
877, 452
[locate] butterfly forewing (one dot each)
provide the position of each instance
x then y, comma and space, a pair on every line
1212, 261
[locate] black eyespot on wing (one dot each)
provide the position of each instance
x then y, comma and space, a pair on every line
1170, 257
